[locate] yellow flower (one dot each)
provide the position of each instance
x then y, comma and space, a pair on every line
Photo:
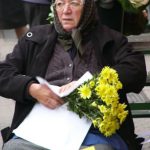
96, 121
102, 105
105, 73
101, 90
122, 116
109, 125
89, 148
85, 92
109, 74
92, 84
102, 108
118, 85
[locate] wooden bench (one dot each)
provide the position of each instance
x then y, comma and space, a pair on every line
141, 108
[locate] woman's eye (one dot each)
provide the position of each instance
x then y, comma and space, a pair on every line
59, 4
75, 3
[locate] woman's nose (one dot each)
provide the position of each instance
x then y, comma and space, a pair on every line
67, 8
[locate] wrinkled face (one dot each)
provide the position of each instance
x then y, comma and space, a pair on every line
69, 12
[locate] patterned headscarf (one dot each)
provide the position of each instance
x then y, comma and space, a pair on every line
86, 22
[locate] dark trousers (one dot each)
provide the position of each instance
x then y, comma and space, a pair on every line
20, 144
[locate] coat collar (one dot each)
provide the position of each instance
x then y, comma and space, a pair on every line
42, 33
46, 38
39, 34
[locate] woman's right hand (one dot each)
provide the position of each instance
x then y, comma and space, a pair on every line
45, 96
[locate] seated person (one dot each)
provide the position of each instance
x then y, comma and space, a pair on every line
61, 53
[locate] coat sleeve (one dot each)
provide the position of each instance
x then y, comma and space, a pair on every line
130, 65
13, 78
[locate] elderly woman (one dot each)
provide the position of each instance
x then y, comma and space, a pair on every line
61, 53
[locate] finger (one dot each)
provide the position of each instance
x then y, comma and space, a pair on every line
52, 104
56, 98
59, 100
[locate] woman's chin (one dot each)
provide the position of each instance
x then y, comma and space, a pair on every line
68, 28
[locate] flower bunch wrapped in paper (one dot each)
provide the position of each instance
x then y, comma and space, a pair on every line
134, 5
98, 100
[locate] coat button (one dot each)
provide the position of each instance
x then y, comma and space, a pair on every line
68, 79
70, 65
29, 34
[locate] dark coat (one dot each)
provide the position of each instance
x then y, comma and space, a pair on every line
30, 58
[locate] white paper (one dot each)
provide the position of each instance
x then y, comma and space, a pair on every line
145, 135
146, 141
56, 89
57, 129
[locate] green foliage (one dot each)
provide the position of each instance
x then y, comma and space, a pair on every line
51, 15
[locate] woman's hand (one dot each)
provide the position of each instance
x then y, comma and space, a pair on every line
45, 96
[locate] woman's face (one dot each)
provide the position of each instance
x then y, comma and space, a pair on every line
69, 12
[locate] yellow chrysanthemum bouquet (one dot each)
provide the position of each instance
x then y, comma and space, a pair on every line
98, 100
